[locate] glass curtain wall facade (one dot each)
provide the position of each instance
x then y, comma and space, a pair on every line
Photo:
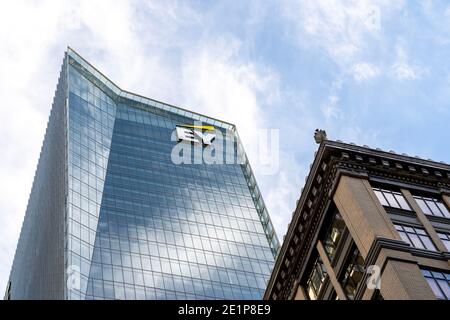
134, 224
38, 269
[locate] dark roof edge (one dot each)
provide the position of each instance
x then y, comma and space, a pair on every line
387, 154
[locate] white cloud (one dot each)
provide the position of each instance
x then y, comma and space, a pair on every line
27, 84
364, 71
401, 69
345, 32
331, 109
341, 28
284, 192
215, 83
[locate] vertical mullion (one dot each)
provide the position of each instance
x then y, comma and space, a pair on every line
395, 199
383, 192
430, 210
437, 286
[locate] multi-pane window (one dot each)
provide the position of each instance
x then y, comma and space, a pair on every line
354, 272
416, 237
439, 283
316, 279
432, 207
334, 235
391, 199
445, 237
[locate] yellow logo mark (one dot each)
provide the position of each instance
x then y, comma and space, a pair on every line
197, 127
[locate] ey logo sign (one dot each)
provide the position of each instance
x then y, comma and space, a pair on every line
196, 134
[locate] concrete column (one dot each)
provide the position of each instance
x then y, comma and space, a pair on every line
366, 220
301, 294
330, 271
404, 281
424, 220
363, 214
446, 200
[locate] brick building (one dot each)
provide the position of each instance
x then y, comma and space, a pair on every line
369, 224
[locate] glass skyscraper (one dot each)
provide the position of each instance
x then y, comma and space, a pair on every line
111, 216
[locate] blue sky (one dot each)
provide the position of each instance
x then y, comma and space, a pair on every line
369, 72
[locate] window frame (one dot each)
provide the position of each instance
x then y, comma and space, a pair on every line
318, 268
349, 267
445, 238
423, 202
328, 235
389, 198
436, 279
413, 235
